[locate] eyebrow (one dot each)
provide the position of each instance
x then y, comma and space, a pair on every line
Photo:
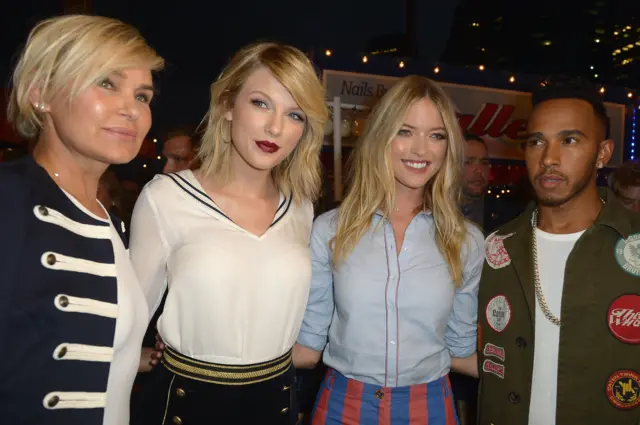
141, 87
563, 133
292, 108
412, 127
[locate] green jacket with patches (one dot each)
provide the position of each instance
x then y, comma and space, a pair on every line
599, 351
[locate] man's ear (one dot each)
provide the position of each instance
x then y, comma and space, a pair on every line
605, 152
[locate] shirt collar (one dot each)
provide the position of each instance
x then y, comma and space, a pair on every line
424, 213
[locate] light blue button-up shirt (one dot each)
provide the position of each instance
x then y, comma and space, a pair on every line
391, 319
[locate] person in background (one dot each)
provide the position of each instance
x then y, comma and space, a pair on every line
179, 150
625, 183
486, 211
559, 290
72, 313
475, 179
230, 241
395, 271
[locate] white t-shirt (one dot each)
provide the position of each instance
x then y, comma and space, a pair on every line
553, 251
234, 297
131, 325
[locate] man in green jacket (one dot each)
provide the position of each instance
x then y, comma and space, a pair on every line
559, 302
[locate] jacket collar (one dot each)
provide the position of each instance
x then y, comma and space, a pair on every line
613, 215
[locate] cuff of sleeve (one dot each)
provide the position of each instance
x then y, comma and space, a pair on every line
463, 352
313, 341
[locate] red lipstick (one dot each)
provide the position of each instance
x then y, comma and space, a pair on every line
267, 146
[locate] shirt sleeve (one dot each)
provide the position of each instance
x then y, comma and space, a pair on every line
149, 250
462, 328
317, 316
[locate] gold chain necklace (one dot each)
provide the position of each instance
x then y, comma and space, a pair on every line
542, 301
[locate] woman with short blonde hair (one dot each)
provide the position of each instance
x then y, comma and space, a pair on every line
230, 241
70, 302
393, 299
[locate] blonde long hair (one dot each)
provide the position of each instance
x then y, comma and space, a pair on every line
71, 53
372, 182
299, 173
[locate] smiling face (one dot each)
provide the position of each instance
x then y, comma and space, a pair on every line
266, 122
420, 147
563, 150
108, 121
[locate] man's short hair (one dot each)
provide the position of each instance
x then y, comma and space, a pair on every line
470, 137
185, 130
627, 175
573, 88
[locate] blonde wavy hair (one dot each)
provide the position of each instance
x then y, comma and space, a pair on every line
67, 54
299, 173
372, 182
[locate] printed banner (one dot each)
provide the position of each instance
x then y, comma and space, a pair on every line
498, 116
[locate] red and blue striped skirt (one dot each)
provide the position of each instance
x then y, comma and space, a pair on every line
344, 401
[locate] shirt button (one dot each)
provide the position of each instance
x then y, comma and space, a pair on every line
514, 398
63, 301
53, 401
43, 210
521, 342
51, 259
180, 392
62, 352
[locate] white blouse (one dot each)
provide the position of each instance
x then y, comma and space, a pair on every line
234, 297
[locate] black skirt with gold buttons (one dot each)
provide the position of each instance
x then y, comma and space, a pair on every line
194, 392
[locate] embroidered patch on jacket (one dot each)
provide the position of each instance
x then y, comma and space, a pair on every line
495, 252
624, 318
627, 254
623, 389
491, 350
498, 313
497, 369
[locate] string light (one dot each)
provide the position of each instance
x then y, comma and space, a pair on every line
155, 140
629, 95
365, 59
512, 79
401, 64
159, 157
481, 67
327, 52
633, 133
602, 90
436, 70
144, 165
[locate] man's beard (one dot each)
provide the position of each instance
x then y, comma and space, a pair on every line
471, 194
576, 189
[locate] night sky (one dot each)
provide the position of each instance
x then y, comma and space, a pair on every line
197, 38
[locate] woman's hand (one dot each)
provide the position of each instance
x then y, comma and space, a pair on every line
150, 356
